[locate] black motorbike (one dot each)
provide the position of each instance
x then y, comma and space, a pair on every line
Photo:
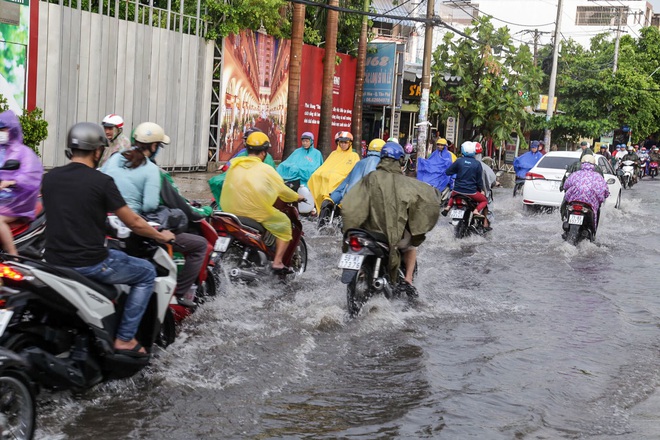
518, 186
579, 223
462, 216
329, 216
365, 269
17, 397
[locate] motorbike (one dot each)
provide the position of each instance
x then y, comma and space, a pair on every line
641, 171
463, 220
17, 398
653, 169
410, 164
518, 186
364, 264
247, 249
64, 324
579, 224
330, 215
626, 172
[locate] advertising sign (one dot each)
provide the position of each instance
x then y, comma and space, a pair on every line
379, 74
14, 35
543, 103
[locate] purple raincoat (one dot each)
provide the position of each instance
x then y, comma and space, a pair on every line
22, 199
587, 186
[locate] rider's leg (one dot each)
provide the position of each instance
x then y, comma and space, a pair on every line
280, 249
6, 237
280, 226
410, 258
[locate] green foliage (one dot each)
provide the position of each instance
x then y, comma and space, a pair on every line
350, 25
35, 128
231, 16
498, 81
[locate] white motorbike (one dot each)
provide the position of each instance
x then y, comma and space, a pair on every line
626, 173
64, 324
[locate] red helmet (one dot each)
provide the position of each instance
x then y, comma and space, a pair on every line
478, 148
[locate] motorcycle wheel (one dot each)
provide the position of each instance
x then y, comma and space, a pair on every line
17, 406
299, 259
358, 291
460, 229
624, 183
324, 215
573, 236
167, 332
517, 188
210, 286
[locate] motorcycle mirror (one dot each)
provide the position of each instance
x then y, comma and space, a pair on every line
11, 165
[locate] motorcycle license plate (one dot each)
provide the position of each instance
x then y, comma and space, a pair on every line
351, 261
5, 317
575, 219
457, 213
221, 244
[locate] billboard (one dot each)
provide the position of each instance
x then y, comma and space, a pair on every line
14, 36
379, 74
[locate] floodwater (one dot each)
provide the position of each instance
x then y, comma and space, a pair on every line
517, 335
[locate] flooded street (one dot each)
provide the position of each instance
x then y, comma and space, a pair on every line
517, 335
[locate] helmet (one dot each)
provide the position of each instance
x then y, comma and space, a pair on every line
408, 148
344, 136
588, 158
307, 135
603, 146
468, 149
534, 144
478, 149
441, 141
391, 150
86, 136
376, 145
393, 139
630, 148
249, 131
655, 148
149, 132
643, 149
257, 141
113, 121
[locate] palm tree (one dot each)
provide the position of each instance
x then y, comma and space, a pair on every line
356, 121
291, 141
325, 125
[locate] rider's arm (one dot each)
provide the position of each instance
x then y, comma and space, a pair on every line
139, 225
151, 195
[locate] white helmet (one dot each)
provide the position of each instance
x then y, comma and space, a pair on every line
149, 132
113, 121
469, 149
589, 158
307, 205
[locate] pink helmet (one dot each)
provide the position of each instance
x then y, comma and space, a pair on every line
408, 148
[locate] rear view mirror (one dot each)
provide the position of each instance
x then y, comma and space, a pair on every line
11, 165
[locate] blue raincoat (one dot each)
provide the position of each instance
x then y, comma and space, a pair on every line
361, 169
432, 170
300, 165
525, 162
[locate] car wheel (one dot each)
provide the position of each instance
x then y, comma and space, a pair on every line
618, 201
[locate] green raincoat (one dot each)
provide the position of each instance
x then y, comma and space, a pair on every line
388, 202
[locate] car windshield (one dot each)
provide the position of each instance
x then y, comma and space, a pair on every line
556, 162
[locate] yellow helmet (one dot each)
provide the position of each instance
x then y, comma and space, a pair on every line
441, 141
257, 141
376, 145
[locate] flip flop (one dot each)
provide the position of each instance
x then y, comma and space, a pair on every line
283, 271
133, 352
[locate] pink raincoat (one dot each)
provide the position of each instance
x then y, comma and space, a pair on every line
587, 186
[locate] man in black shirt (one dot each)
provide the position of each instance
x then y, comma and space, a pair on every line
77, 198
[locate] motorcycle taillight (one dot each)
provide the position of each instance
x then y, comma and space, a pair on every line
10, 273
578, 207
354, 243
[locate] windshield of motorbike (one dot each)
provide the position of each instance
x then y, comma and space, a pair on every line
556, 162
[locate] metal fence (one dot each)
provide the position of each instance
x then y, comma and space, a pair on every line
135, 60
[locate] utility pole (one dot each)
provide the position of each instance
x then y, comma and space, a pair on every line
356, 119
422, 125
536, 46
553, 76
617, 41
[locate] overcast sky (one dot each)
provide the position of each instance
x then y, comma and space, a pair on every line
656, 6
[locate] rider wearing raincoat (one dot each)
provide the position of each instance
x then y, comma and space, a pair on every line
19, 189
361, 169
587, 186
525, 162
252, 187
432, 170
334, 170
302, 163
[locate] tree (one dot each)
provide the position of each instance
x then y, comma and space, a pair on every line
498, 81
231, 16
325, 125
294, 80
356, 119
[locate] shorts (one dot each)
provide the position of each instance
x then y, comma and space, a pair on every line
404, 244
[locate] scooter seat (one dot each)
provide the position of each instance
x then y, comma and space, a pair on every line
251, 223
110, 291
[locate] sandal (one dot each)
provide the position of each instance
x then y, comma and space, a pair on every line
132, 352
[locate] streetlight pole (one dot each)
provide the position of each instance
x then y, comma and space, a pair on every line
553, 76
426, 82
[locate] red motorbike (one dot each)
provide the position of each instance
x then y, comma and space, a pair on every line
247, 249
653, 169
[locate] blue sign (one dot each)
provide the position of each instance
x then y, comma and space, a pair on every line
379, 74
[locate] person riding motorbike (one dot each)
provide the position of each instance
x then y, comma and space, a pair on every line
644, 160
77, 198
361, 169
139, 181
525, 162
334, 170
19, 189
252, 187
302, 163
586, 185
654, 155
400, 207
604, 151
631, 155
575, 166
432, 170
469, 180
113, 126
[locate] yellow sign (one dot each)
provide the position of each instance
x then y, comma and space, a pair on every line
543, 103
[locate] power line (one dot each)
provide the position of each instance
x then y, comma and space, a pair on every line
455, 3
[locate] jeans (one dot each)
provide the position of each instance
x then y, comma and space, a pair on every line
120, 268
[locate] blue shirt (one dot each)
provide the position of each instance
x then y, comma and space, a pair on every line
140, 186
468, 175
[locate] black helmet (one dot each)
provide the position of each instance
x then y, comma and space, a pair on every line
86, 136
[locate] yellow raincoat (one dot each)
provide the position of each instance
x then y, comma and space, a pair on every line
250, 190
328, 176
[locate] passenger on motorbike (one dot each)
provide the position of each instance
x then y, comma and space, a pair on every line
525, 162
334, 170
77, 198
587, 186
432, 170
139, 181
361, 169
113, 126
19, 189
469, 180
251, 189
302, 163
395, 205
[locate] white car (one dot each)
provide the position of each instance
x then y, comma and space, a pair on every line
542, 182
